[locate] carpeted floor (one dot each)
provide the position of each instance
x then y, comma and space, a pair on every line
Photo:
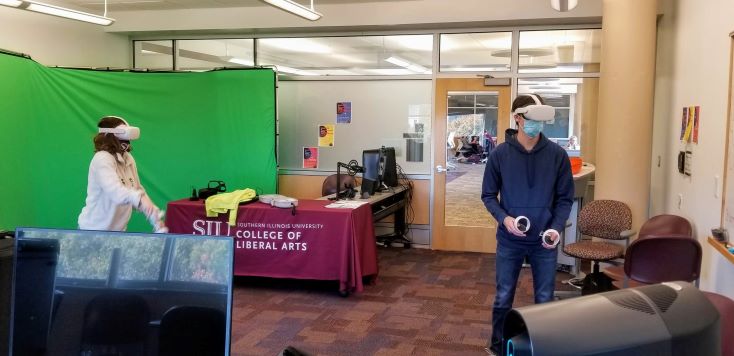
424, 303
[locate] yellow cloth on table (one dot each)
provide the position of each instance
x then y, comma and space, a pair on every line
221, 203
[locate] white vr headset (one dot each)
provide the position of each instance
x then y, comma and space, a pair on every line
537, 112
123, 132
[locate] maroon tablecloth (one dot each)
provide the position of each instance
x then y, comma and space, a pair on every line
315, 243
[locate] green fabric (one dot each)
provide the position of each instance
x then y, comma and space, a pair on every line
195, 127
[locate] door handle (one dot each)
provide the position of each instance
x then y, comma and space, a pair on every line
440, 169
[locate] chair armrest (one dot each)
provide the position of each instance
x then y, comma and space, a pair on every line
154, 323
628, 233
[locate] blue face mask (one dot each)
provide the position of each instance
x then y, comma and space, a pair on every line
532, 128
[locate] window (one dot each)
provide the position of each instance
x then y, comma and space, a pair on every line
560, 51
472, 113
476, 52
348, 56
209, 54
157, 55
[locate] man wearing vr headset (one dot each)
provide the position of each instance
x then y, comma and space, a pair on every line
528, 176
113, 187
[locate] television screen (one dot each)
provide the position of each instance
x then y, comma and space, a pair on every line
97, 292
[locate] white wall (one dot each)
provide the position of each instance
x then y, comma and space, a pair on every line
414, 13
693, 69
54, 41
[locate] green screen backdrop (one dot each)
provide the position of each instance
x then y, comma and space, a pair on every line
194, 127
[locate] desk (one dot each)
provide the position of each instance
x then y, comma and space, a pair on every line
316, 243
386, 203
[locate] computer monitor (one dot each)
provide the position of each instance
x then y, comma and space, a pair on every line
371, 176
86, 292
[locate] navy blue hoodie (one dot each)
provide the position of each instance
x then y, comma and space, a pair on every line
537, 184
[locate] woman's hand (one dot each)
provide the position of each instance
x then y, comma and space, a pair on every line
510, 226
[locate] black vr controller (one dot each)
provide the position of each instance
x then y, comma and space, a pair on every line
214, 187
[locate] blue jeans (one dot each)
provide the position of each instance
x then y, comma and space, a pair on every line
508, 264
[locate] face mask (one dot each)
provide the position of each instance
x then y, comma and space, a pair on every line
532, 128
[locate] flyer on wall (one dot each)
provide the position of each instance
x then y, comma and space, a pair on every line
344, 112
696, 112
310, 157
326, 135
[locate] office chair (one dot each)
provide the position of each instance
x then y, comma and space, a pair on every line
661, 225
725, 307
329, 185
191, 330
661, 259
115, 324
603, 219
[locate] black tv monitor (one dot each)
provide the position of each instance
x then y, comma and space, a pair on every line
90, 292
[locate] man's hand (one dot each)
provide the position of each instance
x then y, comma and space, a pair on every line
510, 226
553, 237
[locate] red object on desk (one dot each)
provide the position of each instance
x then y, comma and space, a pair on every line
316, 243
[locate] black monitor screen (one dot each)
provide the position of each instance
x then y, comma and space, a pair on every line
96, 292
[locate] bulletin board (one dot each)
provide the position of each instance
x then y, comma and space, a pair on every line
391, 113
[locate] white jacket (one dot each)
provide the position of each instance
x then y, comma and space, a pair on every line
113, 189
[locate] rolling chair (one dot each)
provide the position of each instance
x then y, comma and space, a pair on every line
603, 219
115, 324
661, 225
661, 259
725, 307
329, 185
191, 330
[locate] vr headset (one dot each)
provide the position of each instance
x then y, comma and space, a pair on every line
123, 132
538, 111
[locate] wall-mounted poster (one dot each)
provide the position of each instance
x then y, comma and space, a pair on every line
310, 157
683, 123
326, 135
344, 112
696, 112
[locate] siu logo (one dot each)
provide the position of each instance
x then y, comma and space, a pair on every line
213, 228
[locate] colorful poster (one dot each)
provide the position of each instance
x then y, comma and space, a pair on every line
683, 123
344, 112
326, 135
310, 157
696, 112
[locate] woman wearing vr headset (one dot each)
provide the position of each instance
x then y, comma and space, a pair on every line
528, 188
113, 187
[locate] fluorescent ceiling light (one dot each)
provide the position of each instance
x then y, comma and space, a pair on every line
59, 11
409, 65
296, 8
11, 3
242, 62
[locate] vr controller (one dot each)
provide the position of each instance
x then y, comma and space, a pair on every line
522, 223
